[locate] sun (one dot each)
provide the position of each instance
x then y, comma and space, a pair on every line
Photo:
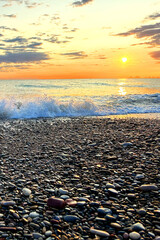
124, 59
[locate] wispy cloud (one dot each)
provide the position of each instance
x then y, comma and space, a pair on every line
32, 5
28, 3
75, 55
55, 39
153, 16
9, 15
7, 28
23, 57
81, 3
16, 39
151, 34
155, 55
8, 3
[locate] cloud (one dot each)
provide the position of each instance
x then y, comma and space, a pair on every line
9, 15
28, 3
9, 3
155, 55
32, 5
81, 3
23, 57
20, 43
16, 39
150, 32
7, 28
153, 16
75, 55
54, 39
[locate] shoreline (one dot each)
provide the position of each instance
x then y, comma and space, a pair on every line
108, 167
155, 116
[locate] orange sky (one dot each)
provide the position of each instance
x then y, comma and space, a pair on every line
79, 39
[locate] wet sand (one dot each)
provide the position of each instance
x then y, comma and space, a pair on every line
108, 168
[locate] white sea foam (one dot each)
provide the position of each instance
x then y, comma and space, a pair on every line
67, 107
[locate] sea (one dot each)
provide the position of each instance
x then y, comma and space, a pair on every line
24, 99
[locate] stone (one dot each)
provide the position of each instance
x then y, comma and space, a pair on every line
7, 203
63, 191
71, 218
34, 214
148, 187
134, 235
56, 203
104, 211
99, 232
26, 192
70, 202
8, 229
37, 235
115, 225
48, 233
109, 185
112, 191
138, 227
142, 212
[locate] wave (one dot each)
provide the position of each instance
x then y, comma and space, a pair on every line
67, 107
46, 108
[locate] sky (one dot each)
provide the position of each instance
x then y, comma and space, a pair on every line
65, 39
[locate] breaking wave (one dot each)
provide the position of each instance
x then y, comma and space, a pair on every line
97, 106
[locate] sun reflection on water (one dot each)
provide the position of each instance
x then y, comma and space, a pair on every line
122, 91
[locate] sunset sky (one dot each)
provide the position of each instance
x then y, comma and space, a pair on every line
52, 39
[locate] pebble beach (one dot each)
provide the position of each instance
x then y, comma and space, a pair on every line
80, 178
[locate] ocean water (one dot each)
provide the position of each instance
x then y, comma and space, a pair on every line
78, 97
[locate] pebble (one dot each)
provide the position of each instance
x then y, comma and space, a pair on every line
71, 218
148, 187
37, 235
138, 227
112, 191
56, 203
104, 211
134, 235
26, 192
99, 232
7, 203
48, 233
34, 215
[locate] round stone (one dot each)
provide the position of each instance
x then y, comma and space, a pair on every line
48, 233
63, 191
134, 235
142, 212
70, 218
70, 202
34, 214
104, 211
26, 192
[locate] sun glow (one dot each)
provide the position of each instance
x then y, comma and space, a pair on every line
124, 59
